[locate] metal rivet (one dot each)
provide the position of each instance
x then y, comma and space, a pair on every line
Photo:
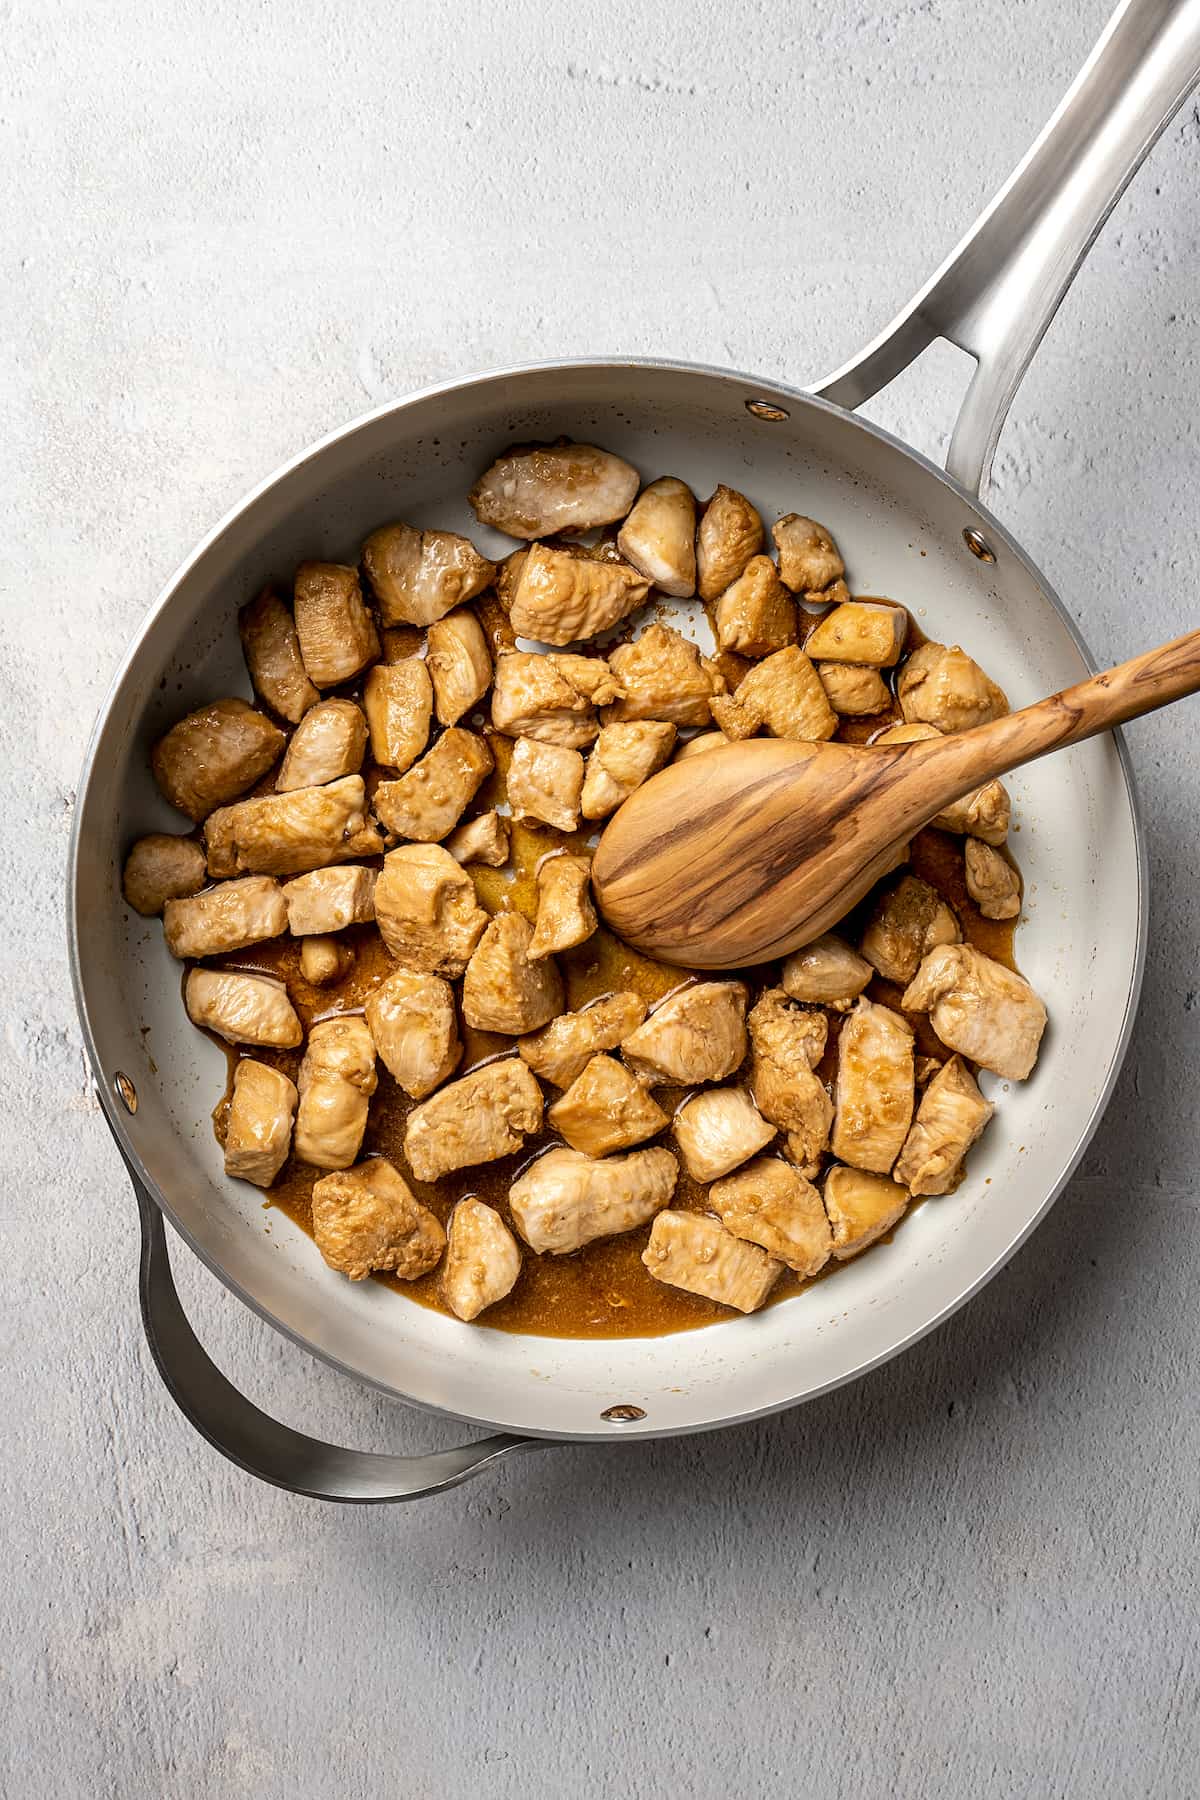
622, 1415
978, 545
766, 409
126, 1091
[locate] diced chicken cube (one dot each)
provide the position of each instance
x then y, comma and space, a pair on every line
535, 492
545, 783
875, 1087
477, 1119
228, 917
909, 920
368, 1218
787, 1043
336, 631
690, 1251
861, 1208
775, 1207
287, 834
945, 687
664, 677
483, 1260
503, 989
329, 742
243, 1009
419, 576
324, 960
430, 799
729, 534
860, 631
605, 1108
717, 1130
398, 698
336, 1081
565, 914
992, 882
951, 1116
808, 557
272, 651
258, 1131
329, 900
426, 910
624, 756
551, 698
979, 1008
561, 1052
827, 972
460, 664
755, 615
852, 691
984, 813
566, 1200
561, 597
161, 867
696, 1034
782, 696
413, 1024
213, 755
482, 840
659, 536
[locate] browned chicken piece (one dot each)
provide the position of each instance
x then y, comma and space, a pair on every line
565, 914
482, 840
696, 1034
755, 615
534, 491
875, 1087
477, 1119
329, 900
860, 631
460, 664
161, 867
925, 1068
951, 1116
992, 883
827, 972
368, 1218
691, 1251
787, 1042
329, 742
910, 919
324, 960
561, 597
808, 557
288, 834
984, 813
243, 1009
503, 989
861, 1207
979, 1008
782, 696
426, 910
213, 755
508, 573
696, 746
412, 1020
483, 1260
775, 1207
550, 698
398, 698
419, 576
852, 691
719, 1129
566, 1199
664, 677
624, 756
605, 1108
258, 1130
545, 783
430, 799
336, 631
659, 537
729, 534
272, 651
561, 1052
944, 687
228, 917
337, 1078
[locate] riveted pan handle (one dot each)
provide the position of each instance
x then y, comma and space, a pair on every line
996, 294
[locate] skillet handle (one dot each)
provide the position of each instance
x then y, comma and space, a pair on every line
996, 294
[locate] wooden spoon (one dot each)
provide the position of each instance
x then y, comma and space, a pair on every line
746, 852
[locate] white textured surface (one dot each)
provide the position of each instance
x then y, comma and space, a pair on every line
227, 229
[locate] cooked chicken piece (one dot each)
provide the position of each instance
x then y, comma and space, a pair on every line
213, 755
287, 834
430, 800
860, 631
605, 1108
324, 960
227, 917
794, 1036
533, 492
730, 533
565, 914
691, 1251
330, 899
659, 536
337, 1078
782, 696
946, 688
336, 631
705, 740
413, 1023
925, 1068
909, 920
508, 574
398, 698
258, 1131
979, 1008
861, 1207
272, 651
664, 677
426, 910
483, 840
775, 1207
368, 1218
755, 615
624, 756
984, 813
875, 1087
503, 989
545, 783
243, 1009
460, 664
853, 692
950, 1117
483, 1260
992, 883
566, 1200
159, 868
826, 972
419, 576
787, 1042
719, 1129
550, 698
562, 1051
561, 597
696, 1034
484, 1116
808, 557
329, 742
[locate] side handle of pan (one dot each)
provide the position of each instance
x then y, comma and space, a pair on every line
996, 294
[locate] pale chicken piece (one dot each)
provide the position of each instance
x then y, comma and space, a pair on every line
565, 914
566, 1199
787, 1042
336, 631
426, 910
691, 1251
777, 1208
875, 1087
227, 917
243, 1009
534, 491
419, 576
483, 1260
545, 783
992, 883
696, 1034
979, 1008
162, 867
288, 834
860, 631
719, 1129
605, 1108
827, 972
503, 988
852, 691
696, 746
329, 742
808, 557
272, 650
459, 663
945, 687
337, 1078
214, 754
414, 1026
782, 696
427, 802
623, 757
756, 615
984, 813
561, 597
561, 1052
477, 1119
550, 698
861, 1207
368, 1218
729, 534
258, 1130
398, 699
950, 1118
659, 536
324, 960
664, 677
910, 919
482, 840
329, 900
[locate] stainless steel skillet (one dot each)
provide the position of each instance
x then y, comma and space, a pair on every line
911, 530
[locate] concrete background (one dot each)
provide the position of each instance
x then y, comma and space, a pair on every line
227, 228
